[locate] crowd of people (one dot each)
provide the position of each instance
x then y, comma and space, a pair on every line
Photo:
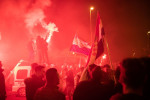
129, 81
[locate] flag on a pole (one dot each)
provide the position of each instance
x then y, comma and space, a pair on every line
98, 46
80, 46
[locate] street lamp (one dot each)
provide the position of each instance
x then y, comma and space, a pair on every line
148, 39
91, 8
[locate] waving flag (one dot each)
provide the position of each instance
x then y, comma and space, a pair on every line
80, 46
97, 47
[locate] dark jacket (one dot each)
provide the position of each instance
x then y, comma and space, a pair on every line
2, 86
120, 96
90, 90
31, 86
49, 93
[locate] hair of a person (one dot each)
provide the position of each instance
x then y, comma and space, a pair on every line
33, 65
39, 68
92, 66
97, 73
51, 74
132, 73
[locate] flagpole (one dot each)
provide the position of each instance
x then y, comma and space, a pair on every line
109, 56
91, 8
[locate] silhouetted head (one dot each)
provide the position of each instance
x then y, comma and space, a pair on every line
132, 73
107, 68
97, 74
92, 66
40, 71
70, 73
33, 65
38, 37
90, 69
52, 76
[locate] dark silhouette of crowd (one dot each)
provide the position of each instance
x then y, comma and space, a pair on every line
132, 78
35, 81
92, 89
2, 84
129, 81
50, 91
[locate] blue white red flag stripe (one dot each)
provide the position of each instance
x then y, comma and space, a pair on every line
80, 46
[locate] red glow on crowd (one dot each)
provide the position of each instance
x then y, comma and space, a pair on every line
43, 31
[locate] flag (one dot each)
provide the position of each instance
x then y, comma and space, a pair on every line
80, 46
98, 46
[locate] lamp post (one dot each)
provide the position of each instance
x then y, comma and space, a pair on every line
148, 39
91, 8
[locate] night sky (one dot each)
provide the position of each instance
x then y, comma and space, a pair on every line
126, 23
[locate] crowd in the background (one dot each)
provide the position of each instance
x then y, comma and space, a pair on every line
129, 80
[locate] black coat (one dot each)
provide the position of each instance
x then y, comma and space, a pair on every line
2, 86
31, 86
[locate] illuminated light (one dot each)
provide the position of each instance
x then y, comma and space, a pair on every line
73, 53
70, 66
79, 65
91, 8
62, 66
104, 56
51, 28
148, 32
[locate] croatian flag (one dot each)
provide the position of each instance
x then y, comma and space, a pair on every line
98, 46
80, 46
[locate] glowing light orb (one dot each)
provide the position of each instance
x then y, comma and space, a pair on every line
104, 56
91, 8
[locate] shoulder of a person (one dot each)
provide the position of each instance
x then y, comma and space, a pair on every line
27, 80
133, 96
40, 89
84, 82
61, 94
1, 74
117, 96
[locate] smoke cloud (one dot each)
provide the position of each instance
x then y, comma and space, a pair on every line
18, 20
